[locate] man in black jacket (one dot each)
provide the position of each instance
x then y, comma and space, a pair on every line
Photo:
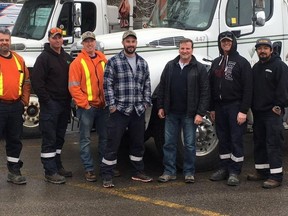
183, 99
50, 83
270, 96
231, 93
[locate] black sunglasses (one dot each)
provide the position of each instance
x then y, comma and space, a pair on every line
226, 34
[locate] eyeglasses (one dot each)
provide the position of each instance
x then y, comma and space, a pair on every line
55, 31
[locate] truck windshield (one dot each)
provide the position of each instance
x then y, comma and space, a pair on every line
183, 14
33, 19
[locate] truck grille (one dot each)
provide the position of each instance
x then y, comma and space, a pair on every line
74, 53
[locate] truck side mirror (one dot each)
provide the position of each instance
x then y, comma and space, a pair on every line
77, 32
77, 14
277, 46
260, 18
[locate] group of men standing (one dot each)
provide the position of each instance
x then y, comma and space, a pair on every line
114, 94
234, 89
112, 102
186, 93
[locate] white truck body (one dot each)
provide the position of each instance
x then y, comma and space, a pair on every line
158, 44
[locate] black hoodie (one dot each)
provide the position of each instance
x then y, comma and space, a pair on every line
270, 82
50, 75
233, 82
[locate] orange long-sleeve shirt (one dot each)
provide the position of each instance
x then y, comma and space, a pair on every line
10, 86
86, 85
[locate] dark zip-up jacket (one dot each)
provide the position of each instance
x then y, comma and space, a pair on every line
198, 92
231, 79
270, 82
49, 77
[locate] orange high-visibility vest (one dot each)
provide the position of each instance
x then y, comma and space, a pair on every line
21, 77
88, 80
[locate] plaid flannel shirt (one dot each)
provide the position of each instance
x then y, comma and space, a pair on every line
125, 90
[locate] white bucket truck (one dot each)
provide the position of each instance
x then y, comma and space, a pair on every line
202, 21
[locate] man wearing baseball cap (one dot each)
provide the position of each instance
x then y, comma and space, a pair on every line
270, 96
231, 93
264, 42
127, 92
129, 33
50, 83
86, 76
54, 31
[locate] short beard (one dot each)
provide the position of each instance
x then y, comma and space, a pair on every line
264, 59
4, 52
129, 52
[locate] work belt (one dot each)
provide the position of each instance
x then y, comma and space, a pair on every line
9, 101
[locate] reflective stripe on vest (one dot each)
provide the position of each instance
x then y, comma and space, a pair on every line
20, 78
21, 74
88, 78
1, 83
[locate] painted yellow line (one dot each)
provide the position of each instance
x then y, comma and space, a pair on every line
139, 198
150, 186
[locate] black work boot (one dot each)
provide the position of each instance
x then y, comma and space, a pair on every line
61, 169
256, 177
14, 175
219, 175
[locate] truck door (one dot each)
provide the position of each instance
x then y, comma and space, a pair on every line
65, 22
236, 16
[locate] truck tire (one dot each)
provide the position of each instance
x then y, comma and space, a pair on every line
31, 118
207, 155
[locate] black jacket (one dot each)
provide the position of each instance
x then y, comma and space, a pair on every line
49, 77
270, 82
198, 92
233, 82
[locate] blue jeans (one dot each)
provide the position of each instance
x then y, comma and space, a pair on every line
87, 118
173, 124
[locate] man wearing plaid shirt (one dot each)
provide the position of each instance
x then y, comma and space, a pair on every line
127, 92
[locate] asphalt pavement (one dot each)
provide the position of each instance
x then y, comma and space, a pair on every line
79, 197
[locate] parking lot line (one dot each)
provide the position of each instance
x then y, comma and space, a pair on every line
123, 193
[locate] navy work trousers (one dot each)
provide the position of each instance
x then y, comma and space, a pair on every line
11, 126
117, 124
268, 143
230, 135
54, 117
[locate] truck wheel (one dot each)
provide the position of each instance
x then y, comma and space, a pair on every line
31, 118
207, 155
206, 145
